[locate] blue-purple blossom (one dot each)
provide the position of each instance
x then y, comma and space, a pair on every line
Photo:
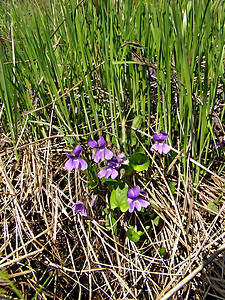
108, 172
160, 145
102, 152
75, 161
112, 166
123, 159
114, 162
79, 207
136, 199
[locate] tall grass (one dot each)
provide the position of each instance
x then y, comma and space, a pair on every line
49, 49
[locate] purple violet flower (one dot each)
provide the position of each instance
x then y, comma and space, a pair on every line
160, 145
79, 207
108, 172
123, 159
114, 162
112, 165
75, 161
136, 199
102, 152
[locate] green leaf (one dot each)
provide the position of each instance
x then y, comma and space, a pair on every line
118, 197
92, 184
104, 212
132, 235
129, 169
139, 150
213, 208
137, 122
172, 187
156, 220
140, 233
162, 251
219, 199
133, 139
139, 161
111, 183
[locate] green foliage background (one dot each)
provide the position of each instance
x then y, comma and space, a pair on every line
63, 48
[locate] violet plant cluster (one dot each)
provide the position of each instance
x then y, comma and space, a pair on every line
135, 197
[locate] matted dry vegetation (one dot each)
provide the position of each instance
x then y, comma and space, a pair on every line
41, 237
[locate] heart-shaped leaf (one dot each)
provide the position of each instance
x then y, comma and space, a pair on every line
139, 161
118, 197
132, 235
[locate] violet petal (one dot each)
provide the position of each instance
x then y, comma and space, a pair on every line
143, 203
163, 136
108, 154
157, 147
137, 205
131, 205
79, 207
77, 151
156, 137
75, 164
82, 164
92, 144
123, 159
165, 148
70, 156
102, 173
134, 192
101, 141
101, 154
114, 174
69, 165
108, 173
97, 156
